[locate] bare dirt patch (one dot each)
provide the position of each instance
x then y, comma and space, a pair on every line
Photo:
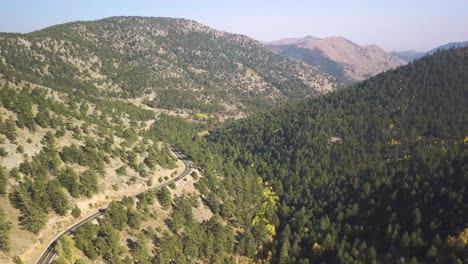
34, 245
187, 186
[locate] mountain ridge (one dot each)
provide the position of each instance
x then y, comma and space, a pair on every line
79, 103
410, 55
290, 41
339, 56
367, 174
134, 56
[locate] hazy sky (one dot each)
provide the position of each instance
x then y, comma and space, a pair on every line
392, 24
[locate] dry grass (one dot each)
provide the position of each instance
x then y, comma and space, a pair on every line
14, 158
186, 187
112, 187
21, 240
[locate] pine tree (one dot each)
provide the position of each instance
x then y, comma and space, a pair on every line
405, 240
76, 212
417, 217
164, 197
69, 180
284, 253
88, 183
432, 252
5, 227
116, 215
42, 118
140, 252
33, 219
437, 241
9, 129
3, 181
134, 219
66, 250
58, 200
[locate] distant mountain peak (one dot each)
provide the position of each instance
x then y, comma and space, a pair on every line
293, 41
192, 65
340, 38
410, 55
339, 56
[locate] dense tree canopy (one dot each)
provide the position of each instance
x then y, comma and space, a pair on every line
373, 173
376, 172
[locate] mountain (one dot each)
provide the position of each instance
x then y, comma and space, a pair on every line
167, 63
411, 55
65, 154
292, 41
338, 56
375, 173
82, 105
91, 114
408, 55
449, 46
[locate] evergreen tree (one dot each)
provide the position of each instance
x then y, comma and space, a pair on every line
58, 200
69, 180
134, 219
116, 215
88, 183
76, 212
5, 227
3, 181
33, 219
164, 197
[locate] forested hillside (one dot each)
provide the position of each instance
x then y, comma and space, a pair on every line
77, 102
376, 173
62, 154
166, 226
167, 63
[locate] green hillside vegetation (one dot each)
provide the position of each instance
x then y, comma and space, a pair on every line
77, 100
356, 176
242, 226
313, 57
59, 147
173, 63
376, 173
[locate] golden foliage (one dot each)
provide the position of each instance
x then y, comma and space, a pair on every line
316, 248
458, 242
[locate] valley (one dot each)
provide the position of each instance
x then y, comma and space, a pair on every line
134, 139
49, 253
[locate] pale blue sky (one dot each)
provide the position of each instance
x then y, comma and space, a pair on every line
392, 24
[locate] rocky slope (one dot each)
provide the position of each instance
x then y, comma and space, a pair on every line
77, 101
172, 63
338, 56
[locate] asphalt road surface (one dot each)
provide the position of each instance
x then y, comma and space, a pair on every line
50, 253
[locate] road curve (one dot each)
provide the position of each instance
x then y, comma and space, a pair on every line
49, 253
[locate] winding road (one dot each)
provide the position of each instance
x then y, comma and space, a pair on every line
50, 253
